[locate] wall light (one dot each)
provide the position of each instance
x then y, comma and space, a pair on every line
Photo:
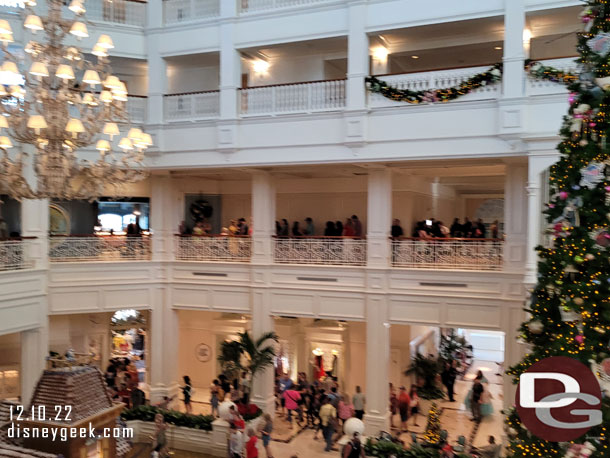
527, 35
260, 67
414, 57
380, 53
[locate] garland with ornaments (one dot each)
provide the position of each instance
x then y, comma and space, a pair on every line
569, 307
492, 76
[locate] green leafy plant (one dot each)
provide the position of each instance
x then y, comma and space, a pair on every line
387, 449
172, 417
229, 358
426, 370
259, 353
450, 345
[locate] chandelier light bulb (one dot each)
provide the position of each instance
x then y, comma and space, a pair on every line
112, 82
79, 30
30, 2
75, 127
146, 139
91, 77
72, 53
111, 129
99, 51
104, 41
134, 134
88, 99
119, 97
64, 72
33, 22
10, 68
5, 27
122, 89
29, 48
106, 96
6, 38
16, 91
37, 122
3, 122
39, 69
102, 145
76, 6
5, 143
125, 144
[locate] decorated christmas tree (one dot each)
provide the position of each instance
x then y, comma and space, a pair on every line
569, 308
433, 428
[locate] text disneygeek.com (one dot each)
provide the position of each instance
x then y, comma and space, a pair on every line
63, 433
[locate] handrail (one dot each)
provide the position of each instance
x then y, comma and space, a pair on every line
17, 239
322, 237
191, 93
213, 235
459, 67
292, 84
99, 235
447, 239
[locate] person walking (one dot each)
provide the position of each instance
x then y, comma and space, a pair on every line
160, 437
291, 401
187, 392
266, 434
236, 442
358, 402
214, 397
404, 402
448, 378
393, 405
476, 399
244, 384
354, 448
414, 404
328, 419
251, 449
345, 409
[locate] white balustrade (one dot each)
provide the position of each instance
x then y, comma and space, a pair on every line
293, 98
128, 12
137, 108
327, 251
97, 249
192, 107
429, 81
175, 11
537, 86
262, 5
457, 254
15, 254
212, 248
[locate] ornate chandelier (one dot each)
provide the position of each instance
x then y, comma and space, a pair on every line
48, 108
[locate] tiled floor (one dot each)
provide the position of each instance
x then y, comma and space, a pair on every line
455, 419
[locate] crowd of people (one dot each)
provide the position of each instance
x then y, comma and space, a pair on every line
433, 229
122, 382
351, 227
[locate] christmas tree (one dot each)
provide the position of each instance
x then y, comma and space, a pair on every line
569, 309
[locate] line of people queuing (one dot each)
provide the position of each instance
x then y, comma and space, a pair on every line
433, 229
352, 227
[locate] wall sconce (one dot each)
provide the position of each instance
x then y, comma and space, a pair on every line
260, 67
380, 53
527, 36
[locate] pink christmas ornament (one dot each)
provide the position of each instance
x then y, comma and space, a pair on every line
579, 338
563, 195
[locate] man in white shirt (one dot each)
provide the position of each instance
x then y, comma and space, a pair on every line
236, 442
358, 402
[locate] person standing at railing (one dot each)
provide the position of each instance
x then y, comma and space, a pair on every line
456, 228
338, 229
495, 227
397, 231
296, 230
481, 231
3, 229
357, 226
284, 228
330, 229
309, 228
348, 229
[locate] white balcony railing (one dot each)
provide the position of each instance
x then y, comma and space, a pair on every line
442, 79
192, 107
15, 254
210, 248
263, 5
325, 250
97, 249
137, 108
545, 87
307, 97
175, 11
459, 254
128, 12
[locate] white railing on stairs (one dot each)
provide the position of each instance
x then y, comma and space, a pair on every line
306, 97
175, 11
192, 106
429, 81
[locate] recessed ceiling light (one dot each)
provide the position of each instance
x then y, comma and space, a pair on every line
414, 57
498, 48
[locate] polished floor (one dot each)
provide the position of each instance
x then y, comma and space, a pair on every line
289, 441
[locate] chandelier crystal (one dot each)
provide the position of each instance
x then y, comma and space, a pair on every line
64, 111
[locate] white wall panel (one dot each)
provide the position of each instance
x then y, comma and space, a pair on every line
460, 314
293, 304
419, 311
349, 307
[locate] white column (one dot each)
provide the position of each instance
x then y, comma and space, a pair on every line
230, 63
34, 350
163, 337
154, 15
515, 214
157, 77
512, 318
379, 217
514, 54
537, 164
262, 322
377, 417
263, 217
357, 55
164, 218
35, 223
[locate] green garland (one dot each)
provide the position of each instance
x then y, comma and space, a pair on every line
491, 76
173, 417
